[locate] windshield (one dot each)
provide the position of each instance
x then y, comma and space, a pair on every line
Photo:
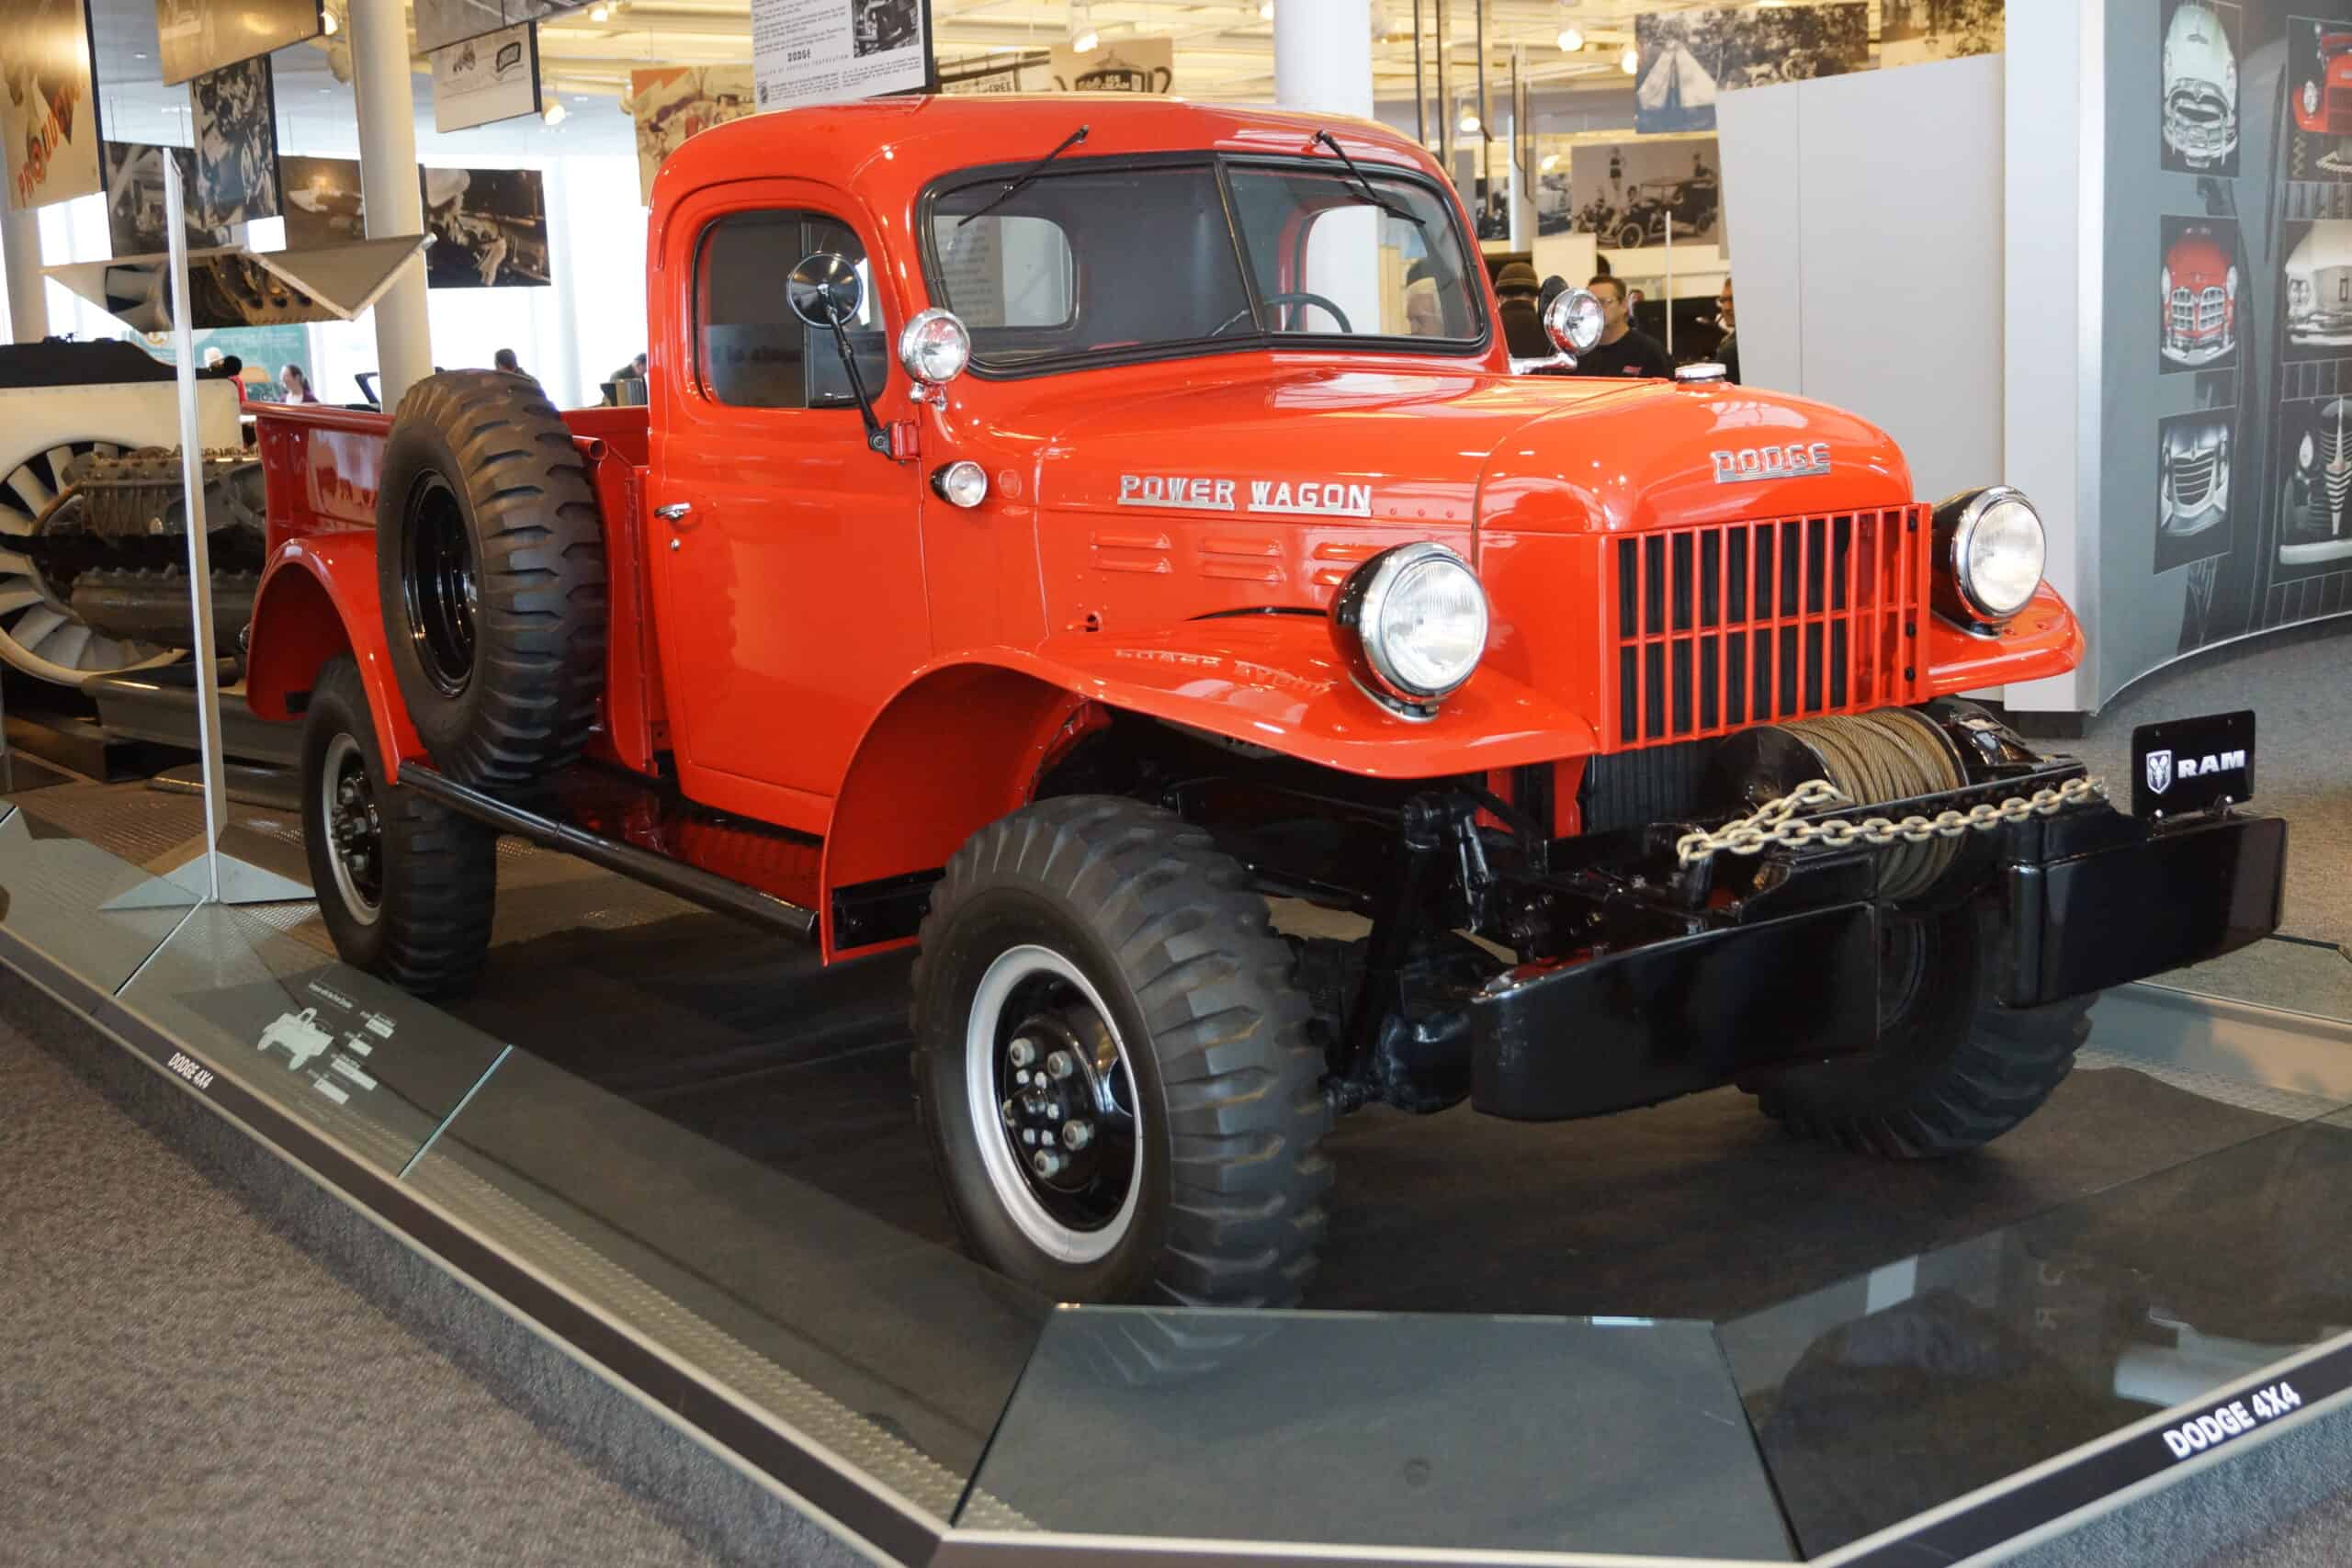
1089, 262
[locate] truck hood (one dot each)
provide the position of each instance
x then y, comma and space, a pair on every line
1446, 455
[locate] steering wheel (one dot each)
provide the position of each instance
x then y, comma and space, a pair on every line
1297, 297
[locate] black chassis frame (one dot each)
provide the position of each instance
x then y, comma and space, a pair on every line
1637, 979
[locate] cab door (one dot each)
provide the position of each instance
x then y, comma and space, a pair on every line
785, 553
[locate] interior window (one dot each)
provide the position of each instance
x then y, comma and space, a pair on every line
752, 350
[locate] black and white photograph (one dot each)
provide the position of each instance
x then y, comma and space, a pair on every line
48, 114
878, 27
2315, 482
2193, 489
1633, 194
236, 143
138, 221
2318, 98
1687, 57
676, 102
1914, 32
2318, 288
2200, 89
323, 201
2198, 295
200, 36
487, 79
488, 229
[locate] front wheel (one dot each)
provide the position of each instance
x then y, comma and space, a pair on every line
1112, 1062
404, 885
1954, 1067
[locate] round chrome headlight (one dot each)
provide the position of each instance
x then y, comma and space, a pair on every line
961, 483
1998, 551
934, 347
1411, 624
1574, 320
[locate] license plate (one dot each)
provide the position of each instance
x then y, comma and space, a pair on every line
2189, 764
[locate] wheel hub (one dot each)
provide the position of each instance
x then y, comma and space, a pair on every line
354, 826
1058, 1084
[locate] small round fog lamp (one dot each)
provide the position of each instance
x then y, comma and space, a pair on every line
961, 483
1575, 321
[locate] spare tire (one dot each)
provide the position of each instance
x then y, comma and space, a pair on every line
489, 560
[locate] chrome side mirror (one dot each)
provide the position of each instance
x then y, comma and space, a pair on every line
824, 290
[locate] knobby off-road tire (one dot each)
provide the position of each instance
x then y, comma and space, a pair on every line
417, 909
1954, 1069
489, 560
1119, 937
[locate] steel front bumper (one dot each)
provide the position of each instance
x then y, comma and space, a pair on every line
2094, 899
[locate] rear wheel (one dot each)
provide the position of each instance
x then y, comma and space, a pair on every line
1954, 1069
1112, 1062
404, 885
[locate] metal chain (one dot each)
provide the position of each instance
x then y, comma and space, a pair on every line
1776, 823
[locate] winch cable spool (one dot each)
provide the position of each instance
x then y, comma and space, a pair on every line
1877, 757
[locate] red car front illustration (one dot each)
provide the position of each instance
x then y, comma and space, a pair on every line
2324, 100
2201, 299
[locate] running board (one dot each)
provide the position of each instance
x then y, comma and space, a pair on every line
693, 884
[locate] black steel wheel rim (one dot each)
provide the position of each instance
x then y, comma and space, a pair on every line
439, 586
354, 828
1064, 1093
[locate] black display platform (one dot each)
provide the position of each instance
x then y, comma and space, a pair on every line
679, 1148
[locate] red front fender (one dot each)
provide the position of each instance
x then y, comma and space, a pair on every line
318, 599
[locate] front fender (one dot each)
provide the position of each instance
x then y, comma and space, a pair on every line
2044, 640
318, 599
1275, 680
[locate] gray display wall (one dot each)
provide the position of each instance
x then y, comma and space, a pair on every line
2225, 449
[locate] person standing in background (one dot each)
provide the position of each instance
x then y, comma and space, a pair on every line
504, 359
295, 384
1727, 350
1623, 348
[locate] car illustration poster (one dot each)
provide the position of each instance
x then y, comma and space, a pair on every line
2198, 104
676, 102
49, 111
819, 51
2198, 294
138, 223
1686, 58
2318, 98
236, 143
2195, 496
484, 80
196, 36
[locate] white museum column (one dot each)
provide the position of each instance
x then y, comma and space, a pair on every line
388, 184
1323, 63
27, 290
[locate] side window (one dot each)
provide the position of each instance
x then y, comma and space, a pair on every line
751, 350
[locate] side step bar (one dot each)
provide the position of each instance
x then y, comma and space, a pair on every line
690, 883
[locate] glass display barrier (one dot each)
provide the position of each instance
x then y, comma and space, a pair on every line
691, 1154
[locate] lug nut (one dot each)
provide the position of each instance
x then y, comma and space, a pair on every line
1020, 1077
1060, 1065
1029, 1134
1021, 1053
1078, 1134
1009, 1118
1046, 1163
1053, 1112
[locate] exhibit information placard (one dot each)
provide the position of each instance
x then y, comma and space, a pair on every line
487, 79
200, 36
821, 52
48, 115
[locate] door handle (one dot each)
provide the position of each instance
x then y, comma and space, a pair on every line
674, 511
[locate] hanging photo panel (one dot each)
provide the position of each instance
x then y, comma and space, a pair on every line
200, 36
827, 51
321, 201
137, 223
440, 23
676, 102
487, 79
489, 227
1916, 32
48, 114
1689, 57
236, 143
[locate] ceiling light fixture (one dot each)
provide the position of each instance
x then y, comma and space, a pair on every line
1630, 60
330, 25
600, 12
1083, 38
1469, 123
1265, 10
1571, 41
556, 113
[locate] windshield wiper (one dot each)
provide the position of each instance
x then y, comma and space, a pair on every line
1013, 186
1364, 184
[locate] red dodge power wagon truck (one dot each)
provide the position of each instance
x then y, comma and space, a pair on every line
1062, 526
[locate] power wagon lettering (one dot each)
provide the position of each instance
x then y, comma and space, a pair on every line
1750, 463
1315, 498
